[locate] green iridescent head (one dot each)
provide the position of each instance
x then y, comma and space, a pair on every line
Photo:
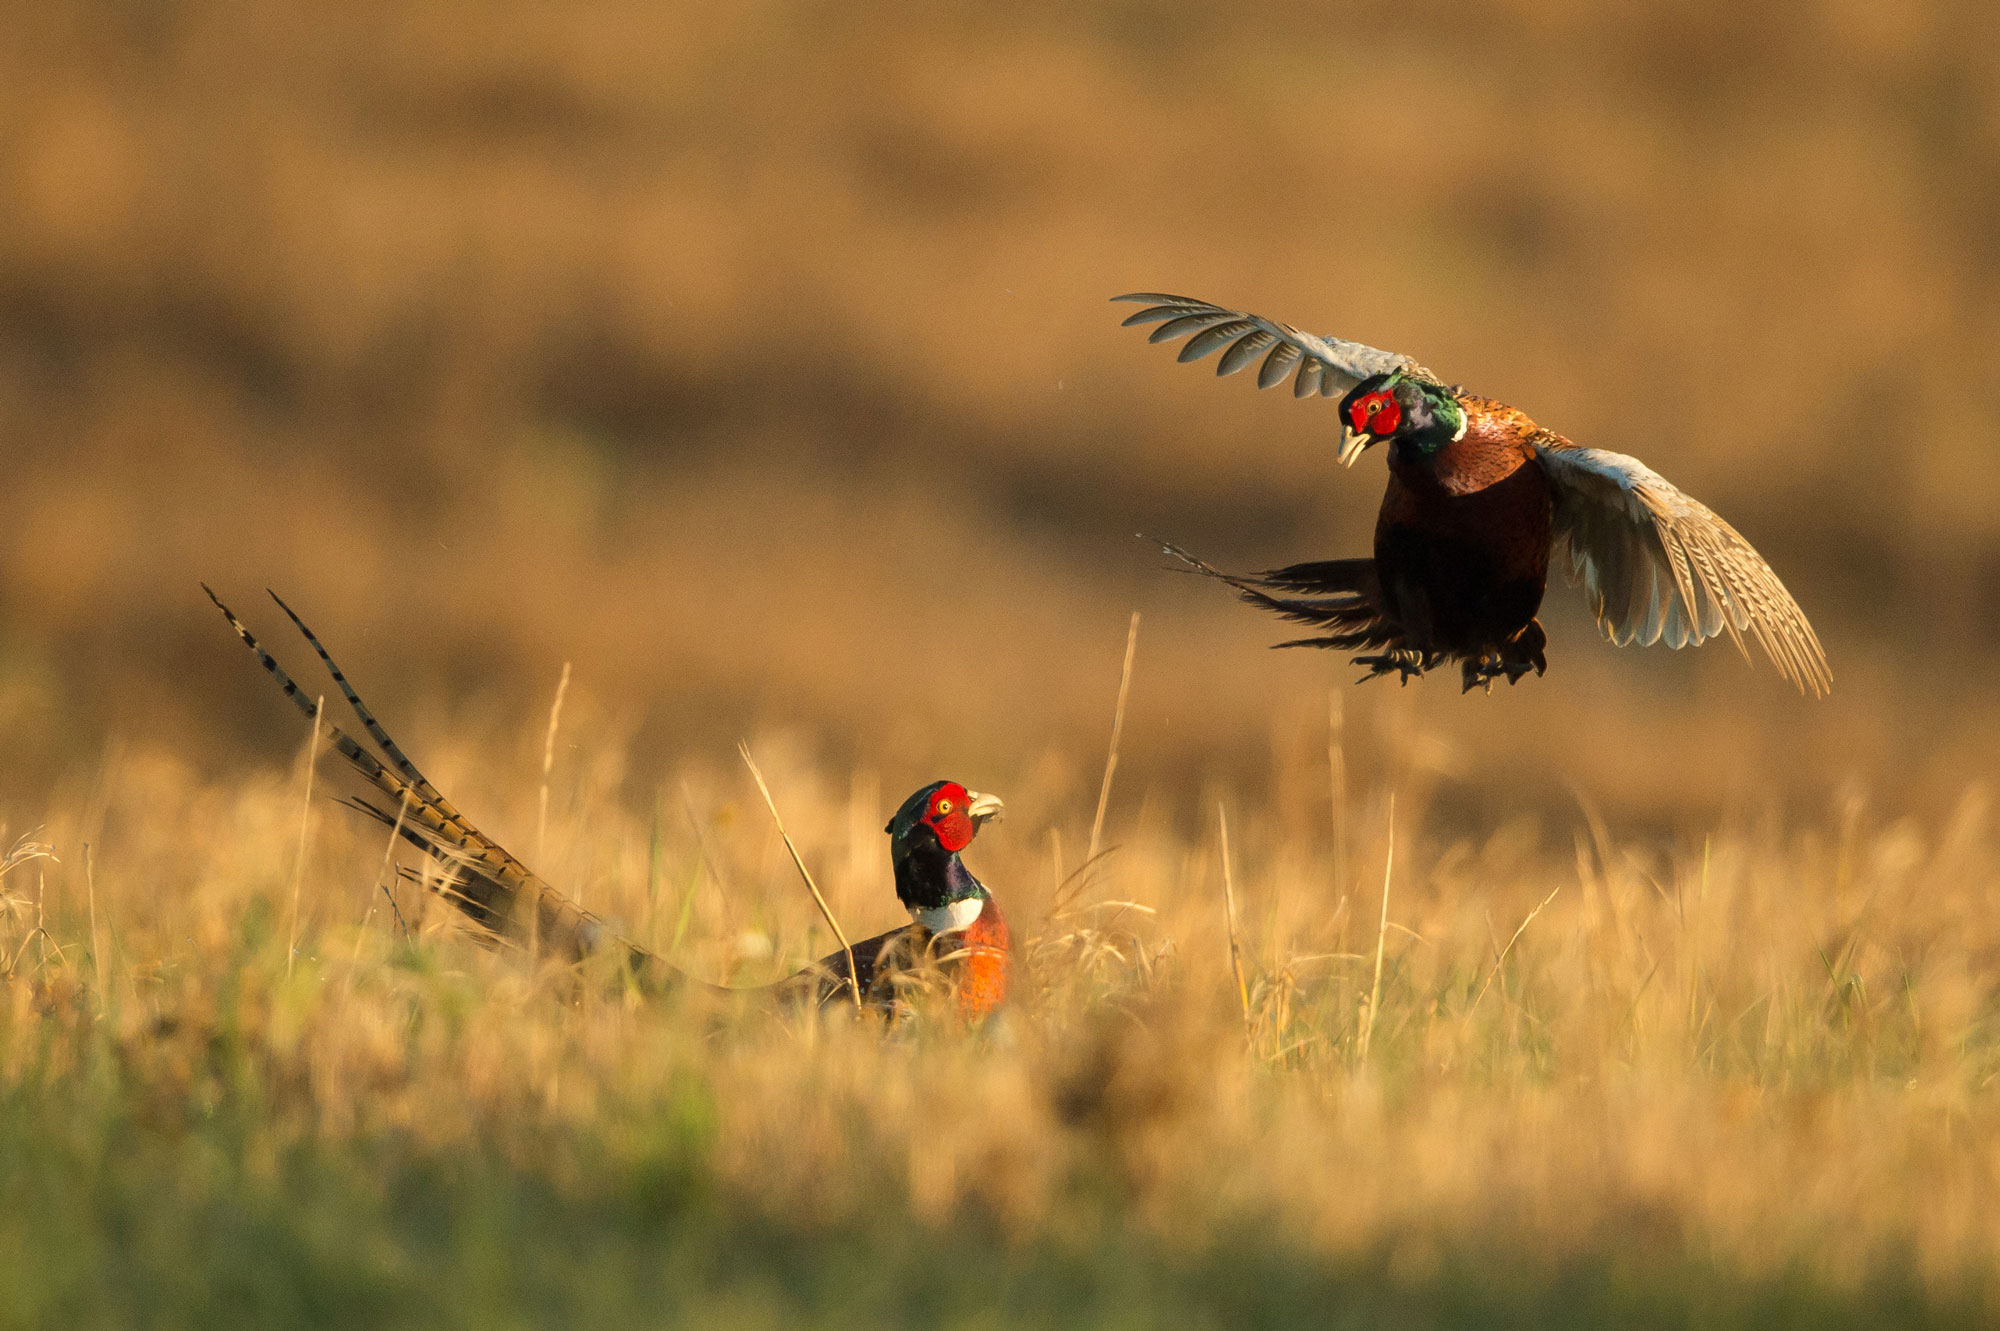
925, 836
1418, 415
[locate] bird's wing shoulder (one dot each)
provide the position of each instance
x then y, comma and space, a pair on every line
1329, 366
1659, 565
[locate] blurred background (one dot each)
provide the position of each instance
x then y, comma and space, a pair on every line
755, 359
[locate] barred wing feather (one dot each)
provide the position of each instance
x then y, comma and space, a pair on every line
1659, 566
1328, 366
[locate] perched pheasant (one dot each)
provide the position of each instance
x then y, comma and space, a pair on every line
1479, 497
956, 933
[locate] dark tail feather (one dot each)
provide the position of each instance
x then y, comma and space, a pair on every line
1323, 577
1345, 642
1347, 603
483, 881
508, 903
484, 899
429, 793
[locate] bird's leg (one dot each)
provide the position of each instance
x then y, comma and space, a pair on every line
1511, 659
1403, 660
1524, 652
1483, 670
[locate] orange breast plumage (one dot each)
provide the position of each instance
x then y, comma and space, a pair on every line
984, 963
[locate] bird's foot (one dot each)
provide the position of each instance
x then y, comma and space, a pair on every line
1484, 670
1404, 661
1526, 651
1478, 672
1514, 658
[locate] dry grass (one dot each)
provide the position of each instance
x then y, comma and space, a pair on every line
1743, 1070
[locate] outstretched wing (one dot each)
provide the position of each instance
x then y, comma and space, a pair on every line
1658, 566
1328, 366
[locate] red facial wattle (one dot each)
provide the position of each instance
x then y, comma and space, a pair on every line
950, 816
1378, 414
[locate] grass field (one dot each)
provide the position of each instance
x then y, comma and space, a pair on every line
1737, 1080
750, 364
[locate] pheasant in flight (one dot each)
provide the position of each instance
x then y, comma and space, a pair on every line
956, 930
1479, 499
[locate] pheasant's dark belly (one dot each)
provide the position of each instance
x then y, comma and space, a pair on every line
1462, 574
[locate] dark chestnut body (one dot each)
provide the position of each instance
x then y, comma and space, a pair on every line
1462, 542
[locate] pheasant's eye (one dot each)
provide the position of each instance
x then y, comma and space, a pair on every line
944, 806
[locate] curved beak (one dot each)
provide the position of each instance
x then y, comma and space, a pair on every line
1352, 443
984, 808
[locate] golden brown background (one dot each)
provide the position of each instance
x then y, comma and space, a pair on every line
756, 359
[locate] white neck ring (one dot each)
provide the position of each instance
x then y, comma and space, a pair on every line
950, 917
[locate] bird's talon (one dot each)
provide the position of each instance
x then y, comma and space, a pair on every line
1407, 664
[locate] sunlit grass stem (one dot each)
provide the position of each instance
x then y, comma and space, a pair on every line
305, 835
1117, 729
549, 763
826, 911
1381, 940
1229, 916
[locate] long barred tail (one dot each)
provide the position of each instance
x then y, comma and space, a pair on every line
1344, 598
492, 888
